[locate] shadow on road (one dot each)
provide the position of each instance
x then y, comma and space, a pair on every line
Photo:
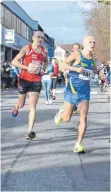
80, 177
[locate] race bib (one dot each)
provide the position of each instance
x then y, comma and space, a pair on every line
86, 75
36, 65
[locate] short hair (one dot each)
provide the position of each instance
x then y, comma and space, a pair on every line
76, 44
38, 31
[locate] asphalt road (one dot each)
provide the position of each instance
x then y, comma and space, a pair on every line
48, 162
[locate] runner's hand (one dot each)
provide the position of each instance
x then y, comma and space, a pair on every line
42, 72
32, 71
32, 68
80, 69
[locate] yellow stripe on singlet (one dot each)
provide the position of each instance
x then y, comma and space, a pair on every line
72, 87
84, 64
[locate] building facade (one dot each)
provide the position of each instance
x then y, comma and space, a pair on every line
14, 17
62, 51
59, 53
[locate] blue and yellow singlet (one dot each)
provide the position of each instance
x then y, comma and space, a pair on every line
80, 82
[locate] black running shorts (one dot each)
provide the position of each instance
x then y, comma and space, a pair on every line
27, 86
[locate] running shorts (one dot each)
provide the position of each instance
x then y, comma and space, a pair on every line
27, 86
75, 98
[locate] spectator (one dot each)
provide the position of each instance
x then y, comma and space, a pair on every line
13, 74
47, 82
54, 77
5, 70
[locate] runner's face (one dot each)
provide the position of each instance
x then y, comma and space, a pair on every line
38, 38
75, 48
89, 44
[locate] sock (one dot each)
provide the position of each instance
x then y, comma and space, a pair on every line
77, 143
17, 107
30, 130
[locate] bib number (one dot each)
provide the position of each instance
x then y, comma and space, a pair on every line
36, 65
86, 75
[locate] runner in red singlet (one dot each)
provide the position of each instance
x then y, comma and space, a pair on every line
34, 61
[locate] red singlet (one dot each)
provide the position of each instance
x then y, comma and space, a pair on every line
35, 58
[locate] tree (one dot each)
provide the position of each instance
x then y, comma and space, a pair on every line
106, 2
98, 25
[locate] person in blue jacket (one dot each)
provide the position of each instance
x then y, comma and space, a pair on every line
14, 74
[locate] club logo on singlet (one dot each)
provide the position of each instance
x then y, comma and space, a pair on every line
34, 56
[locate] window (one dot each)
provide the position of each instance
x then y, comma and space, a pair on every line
19, 26
30, 34
13, 22
9, 19
2, 14
27, 32
8, 16
23, 30
5, 17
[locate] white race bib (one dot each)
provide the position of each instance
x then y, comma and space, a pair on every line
37, 65
86, 75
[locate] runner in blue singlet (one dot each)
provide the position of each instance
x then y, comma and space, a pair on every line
78, 89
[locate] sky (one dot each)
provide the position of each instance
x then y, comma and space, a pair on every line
62, 20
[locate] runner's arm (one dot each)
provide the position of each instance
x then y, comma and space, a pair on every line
45, 58
71, 58
96, 67
21, 54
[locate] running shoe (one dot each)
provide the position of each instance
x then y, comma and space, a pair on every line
79, 148
31, 135
58, 119
54, 98
46, 102
14, 112
50, 102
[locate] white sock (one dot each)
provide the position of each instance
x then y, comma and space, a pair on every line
30, 130
77, 143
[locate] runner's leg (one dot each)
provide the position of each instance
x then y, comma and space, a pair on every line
67, 113
21, 101
33, 99
48, 90
44, 84
54, 88
83, 108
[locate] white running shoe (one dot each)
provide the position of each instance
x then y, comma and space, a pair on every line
50, 102
46, 102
